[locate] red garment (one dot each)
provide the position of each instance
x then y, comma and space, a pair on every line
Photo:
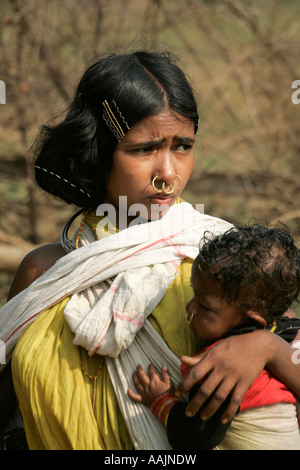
265, 390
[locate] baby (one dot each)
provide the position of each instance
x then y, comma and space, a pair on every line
244, 279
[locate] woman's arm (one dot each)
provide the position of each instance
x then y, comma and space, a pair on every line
33, 266
231, 367
35, 263
7, 396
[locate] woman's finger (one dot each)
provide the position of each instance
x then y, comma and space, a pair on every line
217, 385
190, 361
217, 396
194, 376
234, 403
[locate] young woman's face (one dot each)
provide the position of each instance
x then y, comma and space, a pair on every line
211, 315
158, 146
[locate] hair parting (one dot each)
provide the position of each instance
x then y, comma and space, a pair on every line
72, 159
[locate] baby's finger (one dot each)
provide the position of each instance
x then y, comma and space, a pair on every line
165, 375
134, 396
139, 386
152, 371
142, 376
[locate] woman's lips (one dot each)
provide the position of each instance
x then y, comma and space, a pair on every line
161, 199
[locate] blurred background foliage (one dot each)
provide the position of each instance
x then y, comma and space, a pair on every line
241, 57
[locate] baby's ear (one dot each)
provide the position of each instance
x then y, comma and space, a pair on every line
257, 317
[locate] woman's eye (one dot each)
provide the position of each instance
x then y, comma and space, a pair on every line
143, 150
184, 148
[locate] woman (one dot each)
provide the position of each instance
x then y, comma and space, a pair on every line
124, 150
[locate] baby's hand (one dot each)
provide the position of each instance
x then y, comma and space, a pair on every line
150, 387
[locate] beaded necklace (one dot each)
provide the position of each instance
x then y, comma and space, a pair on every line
80, 229
94, 378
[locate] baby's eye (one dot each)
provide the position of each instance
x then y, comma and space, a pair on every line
202, 306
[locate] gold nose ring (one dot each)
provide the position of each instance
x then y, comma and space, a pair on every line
163, 186
155, 188
172, 190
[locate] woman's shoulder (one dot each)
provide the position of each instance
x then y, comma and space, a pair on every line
35, 263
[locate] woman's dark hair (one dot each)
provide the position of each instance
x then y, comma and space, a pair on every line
258, 268
73, 159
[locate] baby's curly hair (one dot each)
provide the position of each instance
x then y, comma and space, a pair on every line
257, 268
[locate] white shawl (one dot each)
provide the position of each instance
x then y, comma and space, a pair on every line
130, 272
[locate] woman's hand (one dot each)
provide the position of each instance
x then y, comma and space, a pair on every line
230, 367
150, 386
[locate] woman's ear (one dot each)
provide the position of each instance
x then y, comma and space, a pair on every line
257, 317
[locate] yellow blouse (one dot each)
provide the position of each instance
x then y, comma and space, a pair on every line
56, 396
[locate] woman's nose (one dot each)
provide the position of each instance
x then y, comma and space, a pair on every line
165, 169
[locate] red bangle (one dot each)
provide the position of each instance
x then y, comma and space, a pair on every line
162, 405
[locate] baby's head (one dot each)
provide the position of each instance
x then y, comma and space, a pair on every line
246, 275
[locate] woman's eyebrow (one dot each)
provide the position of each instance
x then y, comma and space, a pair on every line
184, 140
151, 143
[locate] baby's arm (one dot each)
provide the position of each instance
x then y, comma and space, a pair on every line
183, 432
150, 386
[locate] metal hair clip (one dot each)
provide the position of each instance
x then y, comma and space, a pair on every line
114, 119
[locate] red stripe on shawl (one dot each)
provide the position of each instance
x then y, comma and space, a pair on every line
164, 239
128, 317
33, 316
